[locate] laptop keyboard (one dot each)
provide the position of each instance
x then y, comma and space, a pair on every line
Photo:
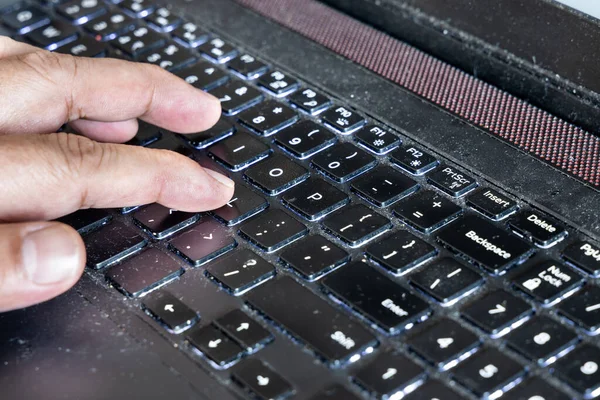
401, 272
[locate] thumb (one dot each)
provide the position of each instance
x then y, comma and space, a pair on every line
40, 260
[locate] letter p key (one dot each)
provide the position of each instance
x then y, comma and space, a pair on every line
315, 196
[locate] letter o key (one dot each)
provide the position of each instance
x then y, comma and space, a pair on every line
275, 172
334, 164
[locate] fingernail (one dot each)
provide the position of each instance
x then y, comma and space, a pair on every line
50, 255
221, 178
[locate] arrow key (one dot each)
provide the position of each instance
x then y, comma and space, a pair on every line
244, 330
214, 345
169, 311
389, 374
262, 381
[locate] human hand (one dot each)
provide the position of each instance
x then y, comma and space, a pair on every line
45, 175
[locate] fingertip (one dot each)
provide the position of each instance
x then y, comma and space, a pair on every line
41, 260
199, 111
53, 256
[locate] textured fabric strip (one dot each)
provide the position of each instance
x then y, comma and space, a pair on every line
530, 128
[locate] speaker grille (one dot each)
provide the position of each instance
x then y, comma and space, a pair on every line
527, 127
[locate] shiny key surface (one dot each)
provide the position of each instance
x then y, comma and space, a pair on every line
331, 334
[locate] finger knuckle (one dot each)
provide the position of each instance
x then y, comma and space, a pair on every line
80, 156
58, 70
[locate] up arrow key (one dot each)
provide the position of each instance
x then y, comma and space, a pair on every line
498, 310
243, 327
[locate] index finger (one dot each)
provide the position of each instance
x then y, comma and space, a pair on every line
68, 88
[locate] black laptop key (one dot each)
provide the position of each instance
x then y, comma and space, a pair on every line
492, 204
84, 46
583, 308
25, 19
139, 8
108, 26
268, 117
169, 311
585, 256
217, 50
240, 271
414, 160
434, 390
215, 345
536, 389
262, 381
310, 101
452, 181
247, 66
312, 320
203, 242
81, 11
315, 198
383, 186
146, 271
376, 297
335, 392
542, 230
444, 344
427, 211
146, 135
239, 150
541, 339
161, 221
488, 372
278, 83
400, 252
138, 41
314, 256
580, 369
343, 119
356, 224
497, 312
203, 75
84, 221
170, 57
276, 174
548, 281
221, 130
236, 96
54, 35
172, 143
484, 243
163, 20
190, 34
447, 280
377, 139
388, 374
111, 244
343, 162
244, 330
272, 230
305, 138
244, 204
